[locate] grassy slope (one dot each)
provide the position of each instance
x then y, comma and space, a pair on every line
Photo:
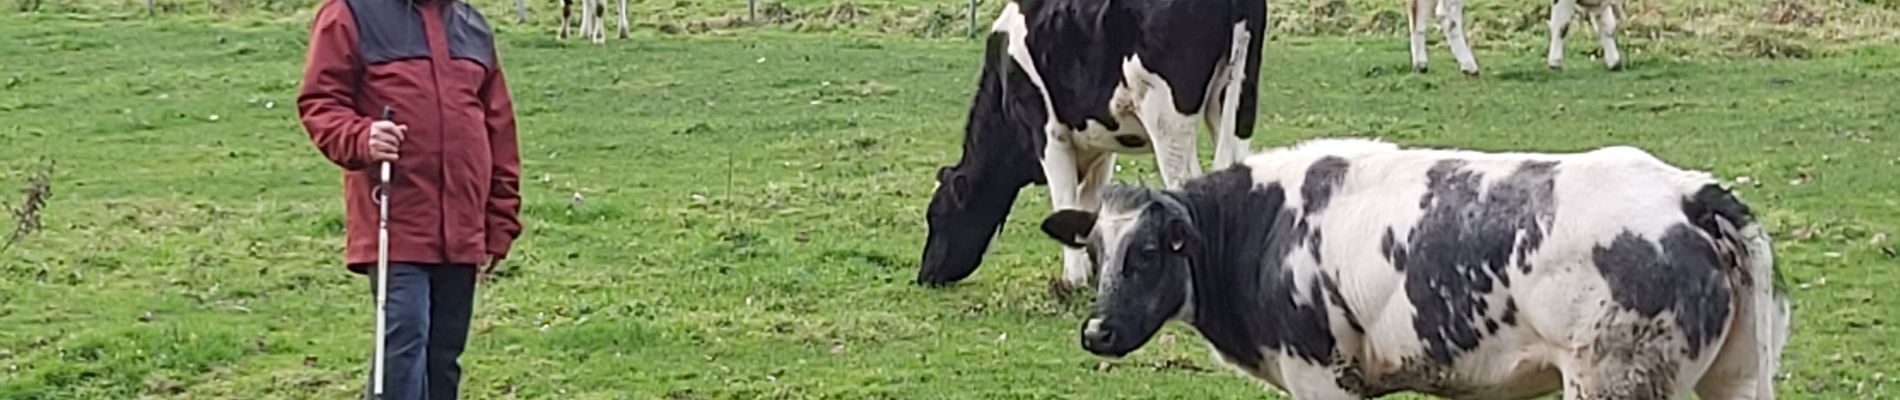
188, 257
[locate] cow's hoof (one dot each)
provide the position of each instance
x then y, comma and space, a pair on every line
1472, 73
1421, 69
1616, 67
1554, 66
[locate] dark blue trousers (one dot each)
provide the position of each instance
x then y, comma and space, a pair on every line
429, 307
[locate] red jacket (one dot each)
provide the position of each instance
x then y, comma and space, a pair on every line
455, 195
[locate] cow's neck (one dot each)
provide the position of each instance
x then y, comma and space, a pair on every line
1001, 142
1244, 297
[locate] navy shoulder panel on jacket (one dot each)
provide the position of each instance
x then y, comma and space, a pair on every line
388, 30
469, 35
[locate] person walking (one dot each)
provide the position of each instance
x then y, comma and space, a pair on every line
454, 195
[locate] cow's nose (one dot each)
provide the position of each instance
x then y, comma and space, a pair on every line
1096, 335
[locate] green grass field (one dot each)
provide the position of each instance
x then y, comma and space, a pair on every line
753, 210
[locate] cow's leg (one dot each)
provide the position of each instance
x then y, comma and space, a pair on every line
1745, 366
567, 14
1059, 163
1228, 148
587, 19
600, 21
1173, 135
624, 28
1560, 14
1453, 24
1606, 20
1421, 22
1097, 169
1224, 111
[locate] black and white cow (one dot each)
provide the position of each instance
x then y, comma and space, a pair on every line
1605, 14
593, 19
1346, 269
1068, 84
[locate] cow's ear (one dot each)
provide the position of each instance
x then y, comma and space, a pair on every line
1069, 227
960, 189
1182, 237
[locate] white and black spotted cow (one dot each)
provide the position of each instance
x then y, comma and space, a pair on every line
1353, 269
1606, 14
593, 19
1068, 84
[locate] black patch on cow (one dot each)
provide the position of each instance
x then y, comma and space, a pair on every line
1393, 250
1338, 298
1510, 312
388, 31
1711, 203
1079, 46
1313, 241
1322, 179
1461, 248
468, 34
1680, 273
1243, 293
1131, 141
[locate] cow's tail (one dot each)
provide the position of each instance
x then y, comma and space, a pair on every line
1747, 246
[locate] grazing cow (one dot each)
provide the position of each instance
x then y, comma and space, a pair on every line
1068, 84
1606, 14
1346, 269
592, 27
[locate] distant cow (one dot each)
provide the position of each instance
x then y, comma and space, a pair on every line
1354, 269
593, 19
1068, 84
1605, 14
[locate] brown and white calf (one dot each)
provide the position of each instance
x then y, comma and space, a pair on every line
1605, 14
1355, 269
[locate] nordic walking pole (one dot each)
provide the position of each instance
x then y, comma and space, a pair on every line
382, 267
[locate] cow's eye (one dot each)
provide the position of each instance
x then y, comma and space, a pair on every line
1148, 253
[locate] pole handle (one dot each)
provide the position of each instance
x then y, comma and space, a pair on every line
389, 114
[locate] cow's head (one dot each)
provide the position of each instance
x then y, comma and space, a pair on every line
1142, 241
964, 215
1001, 144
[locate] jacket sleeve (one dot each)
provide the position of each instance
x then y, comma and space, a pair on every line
503, 222
327, 102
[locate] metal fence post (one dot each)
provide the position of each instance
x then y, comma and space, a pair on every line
972, 18
521, 11
752, 10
